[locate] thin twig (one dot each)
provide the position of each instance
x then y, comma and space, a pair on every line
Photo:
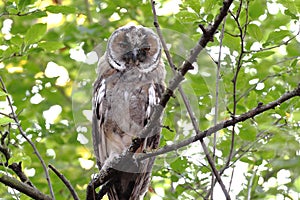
22, 132
88, 11
186, 102
65, 181
251, 183
19, 13
275, 46
217, 102
6, 115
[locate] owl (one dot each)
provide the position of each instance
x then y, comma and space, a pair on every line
130, 83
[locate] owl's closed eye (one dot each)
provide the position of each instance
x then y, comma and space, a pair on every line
133, 46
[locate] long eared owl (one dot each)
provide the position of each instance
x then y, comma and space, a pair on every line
130, 83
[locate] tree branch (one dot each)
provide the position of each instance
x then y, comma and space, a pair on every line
224, 124
186, 102
22, 187
22, 132
17, 168
65, 181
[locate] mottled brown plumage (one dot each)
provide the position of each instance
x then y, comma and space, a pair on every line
129, 84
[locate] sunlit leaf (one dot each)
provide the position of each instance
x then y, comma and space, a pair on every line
179, 165
297, 184
187, 17
61, 9
35, 33
2, 93
277, 36
5, 120
257, 8
263, 54
51, 45
248, 133
255, 32
293, 49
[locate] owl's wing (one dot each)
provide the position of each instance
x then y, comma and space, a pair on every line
98, 116
142, 180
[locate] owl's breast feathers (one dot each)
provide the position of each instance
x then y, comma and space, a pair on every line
123, 103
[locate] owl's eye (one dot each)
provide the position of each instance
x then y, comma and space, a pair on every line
145, 48
123, 45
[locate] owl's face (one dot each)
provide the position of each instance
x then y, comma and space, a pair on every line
131, 46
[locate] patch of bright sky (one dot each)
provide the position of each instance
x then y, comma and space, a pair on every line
77, 53
36, 98
52, 114
85, 163
7, 24
88, 114
54, 70
82, 139
91, 58
168, 8
51, 153
30, 172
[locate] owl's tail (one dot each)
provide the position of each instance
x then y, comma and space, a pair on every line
128, 186
132, 186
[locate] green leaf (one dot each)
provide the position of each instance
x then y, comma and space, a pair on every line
296, 116
257, 8
39, 14
255, 32
194, 4
297, 184
232, 42
2, 93
5, 120
179, 165
187, 17
263, 54
209, 5
293, 49
248, 133
17, 40
294, 63
174, 178
289, 13
35, 33
277, 36
12, 9
51, 45
18, 155
23, 3
61, 9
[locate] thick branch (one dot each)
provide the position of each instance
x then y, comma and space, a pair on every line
224, 124
17, 168
22, 187
22, 132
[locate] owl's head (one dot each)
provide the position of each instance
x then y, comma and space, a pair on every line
134, 46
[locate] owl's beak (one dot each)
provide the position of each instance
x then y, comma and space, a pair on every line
134, 55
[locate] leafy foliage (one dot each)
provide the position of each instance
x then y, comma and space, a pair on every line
42, 53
